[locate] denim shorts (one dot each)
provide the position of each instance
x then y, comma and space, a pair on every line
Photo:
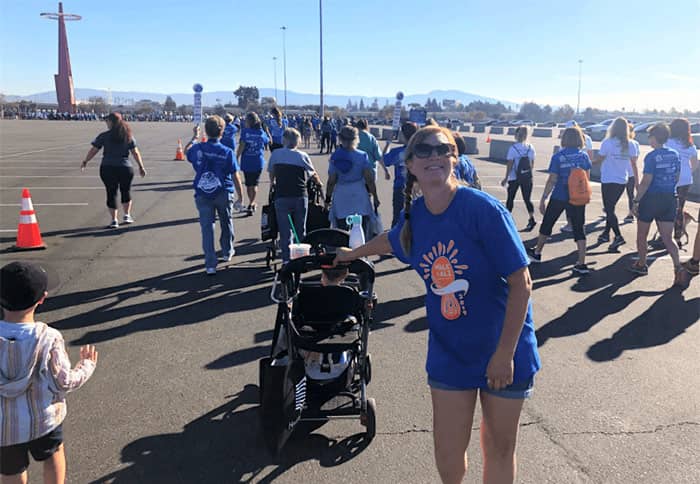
517, 391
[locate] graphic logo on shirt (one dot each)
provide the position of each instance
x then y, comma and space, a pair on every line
208, 182
442, 266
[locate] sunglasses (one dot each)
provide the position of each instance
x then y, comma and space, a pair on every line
425, 150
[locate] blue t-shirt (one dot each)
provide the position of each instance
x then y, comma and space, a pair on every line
229, 136
214, 164
349, 166
253, 158
277, 130
395, 158
561, 164
464, 169
464, 255
665, 165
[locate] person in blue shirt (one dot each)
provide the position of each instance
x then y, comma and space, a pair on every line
276, 125
656, 199
216, 175
569, 157
229, 137
465, 169
326, 128
481, 343
394, 157
368, 143
251, 149
333, 143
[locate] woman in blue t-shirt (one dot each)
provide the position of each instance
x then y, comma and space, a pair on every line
656, 199
464, 245
251, 149
350, 182
571, 156
277, 125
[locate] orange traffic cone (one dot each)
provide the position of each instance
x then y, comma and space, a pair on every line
28, 233
179, 154
488, 138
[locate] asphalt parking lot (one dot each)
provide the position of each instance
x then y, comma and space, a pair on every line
175, 397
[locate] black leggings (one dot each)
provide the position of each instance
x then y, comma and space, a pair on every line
576, 213
630, 192
526, 189
326, 141
611, 194
117, 178
678, 223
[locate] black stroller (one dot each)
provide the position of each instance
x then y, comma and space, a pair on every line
317, 218
319, 346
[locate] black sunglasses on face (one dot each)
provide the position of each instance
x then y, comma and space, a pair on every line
425, 150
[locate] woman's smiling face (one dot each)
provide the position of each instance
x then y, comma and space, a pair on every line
432, 160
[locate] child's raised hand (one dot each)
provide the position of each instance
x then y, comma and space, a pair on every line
88, 352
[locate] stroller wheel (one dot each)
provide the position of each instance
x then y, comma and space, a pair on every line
368, 418
368, 369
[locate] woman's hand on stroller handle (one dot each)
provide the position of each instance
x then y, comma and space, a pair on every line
343, 256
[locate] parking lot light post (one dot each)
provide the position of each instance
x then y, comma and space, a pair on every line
578, 102
284, 62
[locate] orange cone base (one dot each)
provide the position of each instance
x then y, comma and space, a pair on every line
28, 238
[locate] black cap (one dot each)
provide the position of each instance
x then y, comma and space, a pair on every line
22, 284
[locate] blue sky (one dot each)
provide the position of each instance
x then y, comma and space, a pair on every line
634, 55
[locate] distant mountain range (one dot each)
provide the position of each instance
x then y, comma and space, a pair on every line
223, 97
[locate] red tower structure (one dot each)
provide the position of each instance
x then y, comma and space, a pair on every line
64, 79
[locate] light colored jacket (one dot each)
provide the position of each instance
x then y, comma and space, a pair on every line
35, 375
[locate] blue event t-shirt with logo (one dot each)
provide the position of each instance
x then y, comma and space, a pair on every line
561, 164
229, 136
665, 165
277, 130
253, 158
464, 256
395, 158
348, 165
214, 164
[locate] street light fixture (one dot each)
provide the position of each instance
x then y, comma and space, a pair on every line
284, 61
578, 103
320, 33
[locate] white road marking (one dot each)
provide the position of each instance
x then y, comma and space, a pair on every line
8, 230
81, 204
53, 188
49, 176
11, 155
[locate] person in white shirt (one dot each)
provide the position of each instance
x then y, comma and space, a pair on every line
521, 162
619, 157
682, 141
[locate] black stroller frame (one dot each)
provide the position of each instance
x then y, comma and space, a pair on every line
288, 394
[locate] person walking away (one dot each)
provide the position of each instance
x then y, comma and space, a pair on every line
682, 141
588, 148
395, 158
465, 169
216, 175
116, 170
306, 130
251, 153
519, 172
368, 143
35, 376
481, 344
570, 157
350, 183
326, 128
276, 125
619, 157
228, 138
656, 199
290, 170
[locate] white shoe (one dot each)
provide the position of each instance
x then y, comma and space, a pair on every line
113, 225
227, 259
128, 219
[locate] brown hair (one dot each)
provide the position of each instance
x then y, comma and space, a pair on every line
361, 124
572, 138
680, 130
521, 133
620, 130
214, 126
277, 114
421, 135
120, 132
348, 137
252, 120
660, 132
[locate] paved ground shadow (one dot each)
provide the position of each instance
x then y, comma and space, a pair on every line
226, 445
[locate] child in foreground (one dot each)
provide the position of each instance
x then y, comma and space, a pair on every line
35, 375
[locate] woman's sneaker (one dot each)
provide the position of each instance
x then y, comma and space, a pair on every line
536, 258
638, 269
530, 225
581, 269
629, 218
128, 219
113, 225
602, 238
692, 266
617, 242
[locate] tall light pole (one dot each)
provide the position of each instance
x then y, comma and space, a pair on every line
274, 61
284, 61
320, 35
578, 103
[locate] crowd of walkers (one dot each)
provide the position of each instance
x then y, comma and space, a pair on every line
461, 241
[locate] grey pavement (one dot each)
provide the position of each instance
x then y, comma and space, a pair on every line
174, 397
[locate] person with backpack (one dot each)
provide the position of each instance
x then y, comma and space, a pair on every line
588, 148
656, 199
216, 174
619, 157
519, 170
570, 189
